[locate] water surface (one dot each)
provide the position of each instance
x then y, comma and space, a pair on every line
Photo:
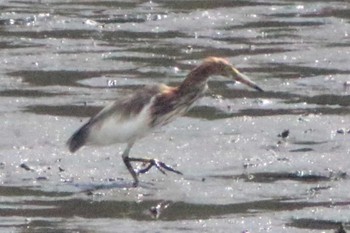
62, 61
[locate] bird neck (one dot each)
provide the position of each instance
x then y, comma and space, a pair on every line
196, 80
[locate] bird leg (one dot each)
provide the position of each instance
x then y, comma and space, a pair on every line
127, 163
151, 162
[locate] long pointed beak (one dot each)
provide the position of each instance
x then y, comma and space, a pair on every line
238, 76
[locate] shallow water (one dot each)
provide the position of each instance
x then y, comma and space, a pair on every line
62, 61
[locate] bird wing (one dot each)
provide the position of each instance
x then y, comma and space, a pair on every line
129, 106
121, 113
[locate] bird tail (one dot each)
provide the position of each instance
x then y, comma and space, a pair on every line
78, 139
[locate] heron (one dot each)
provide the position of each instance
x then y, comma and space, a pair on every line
133, 117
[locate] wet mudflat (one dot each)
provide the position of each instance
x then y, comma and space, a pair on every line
276, 161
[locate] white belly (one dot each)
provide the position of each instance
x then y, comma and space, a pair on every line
114, 129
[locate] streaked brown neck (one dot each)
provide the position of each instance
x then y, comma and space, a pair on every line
197, 79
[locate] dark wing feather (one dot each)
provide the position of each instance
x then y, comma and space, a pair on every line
78, 139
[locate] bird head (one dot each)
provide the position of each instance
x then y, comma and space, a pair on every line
222, 67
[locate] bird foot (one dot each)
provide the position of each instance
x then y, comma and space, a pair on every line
162, 167
159, 165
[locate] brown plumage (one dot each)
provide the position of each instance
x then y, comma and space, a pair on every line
130, 118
